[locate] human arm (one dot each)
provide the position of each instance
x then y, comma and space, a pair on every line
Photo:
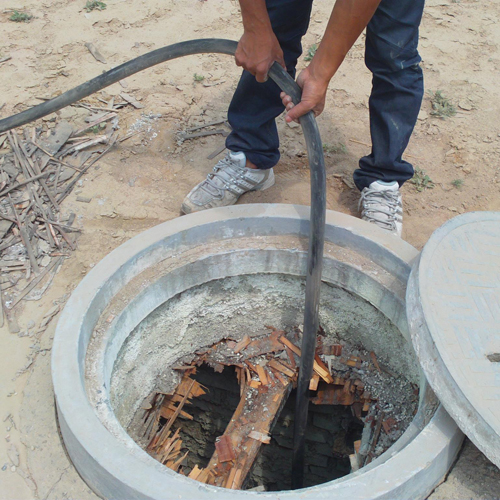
348, 19
258, 48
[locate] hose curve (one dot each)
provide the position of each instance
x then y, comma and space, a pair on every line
318, 196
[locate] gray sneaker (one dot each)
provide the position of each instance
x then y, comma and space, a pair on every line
229, 179
381, 204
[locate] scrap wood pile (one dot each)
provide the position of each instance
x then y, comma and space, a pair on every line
267, 370
38, 169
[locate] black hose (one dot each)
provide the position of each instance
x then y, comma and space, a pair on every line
314, 268
318, 196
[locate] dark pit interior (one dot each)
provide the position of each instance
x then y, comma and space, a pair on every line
331, 432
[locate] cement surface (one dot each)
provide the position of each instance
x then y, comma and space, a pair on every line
454, 300
235, 306
129, 472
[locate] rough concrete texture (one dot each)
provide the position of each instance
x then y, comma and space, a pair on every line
117, 468
454, 304
234, 307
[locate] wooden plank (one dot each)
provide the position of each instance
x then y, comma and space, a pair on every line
230, 478
260, 436
320, 369
224, 448
195, 472
291, 357
242, 344
236, 480
281, 368
256, 413
333, 350
265, 345
282, 378
169, 424
313, 384
262, 374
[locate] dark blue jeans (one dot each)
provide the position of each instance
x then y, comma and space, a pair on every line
392, 57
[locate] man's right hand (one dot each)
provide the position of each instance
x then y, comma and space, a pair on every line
257, 51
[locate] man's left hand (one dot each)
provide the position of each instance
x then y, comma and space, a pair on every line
313, 96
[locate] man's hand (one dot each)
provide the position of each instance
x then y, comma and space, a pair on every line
313, 96
257, 52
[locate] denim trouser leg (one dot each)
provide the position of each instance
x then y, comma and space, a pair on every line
392, 56
255, 106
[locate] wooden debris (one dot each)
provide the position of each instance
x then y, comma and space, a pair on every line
265, 381
333, 350
248, 416
320, 369
313, 384
95, 53
195, 472
354, 462
375, 361
242, 344
265, 345
262, 375
281, 368
260, 436
131, 100
224, 449
389, 425
35, 281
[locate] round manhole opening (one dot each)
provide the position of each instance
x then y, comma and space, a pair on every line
199, 319
223, 414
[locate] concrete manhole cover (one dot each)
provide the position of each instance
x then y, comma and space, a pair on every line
453, 303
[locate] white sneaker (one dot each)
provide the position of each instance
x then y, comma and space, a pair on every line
381, 204
228, 181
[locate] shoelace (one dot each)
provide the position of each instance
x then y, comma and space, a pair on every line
220, 174
386, 202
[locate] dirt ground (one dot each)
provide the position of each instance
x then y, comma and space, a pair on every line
142, 181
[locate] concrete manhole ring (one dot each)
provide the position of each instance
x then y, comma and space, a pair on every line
112, 464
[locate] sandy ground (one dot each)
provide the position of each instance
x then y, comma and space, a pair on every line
143, 181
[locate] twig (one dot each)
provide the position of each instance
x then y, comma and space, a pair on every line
64, 226
128, 136
97, 122
35, 282
177, 412
25, 239
199, 127
36, 168
18, 185
69, 187
53, 158
11, 240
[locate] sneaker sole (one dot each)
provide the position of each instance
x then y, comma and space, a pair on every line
270, 181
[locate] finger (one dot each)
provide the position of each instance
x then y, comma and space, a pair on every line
261, 73
261, 77
289, 106
297, 111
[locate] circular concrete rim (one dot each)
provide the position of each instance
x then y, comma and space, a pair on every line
116, 469
453, 398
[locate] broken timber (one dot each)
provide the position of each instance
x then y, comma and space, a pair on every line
248, 429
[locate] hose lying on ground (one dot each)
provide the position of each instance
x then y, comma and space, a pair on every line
318, 196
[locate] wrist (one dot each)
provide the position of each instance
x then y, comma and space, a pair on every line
324, 65
318, 73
